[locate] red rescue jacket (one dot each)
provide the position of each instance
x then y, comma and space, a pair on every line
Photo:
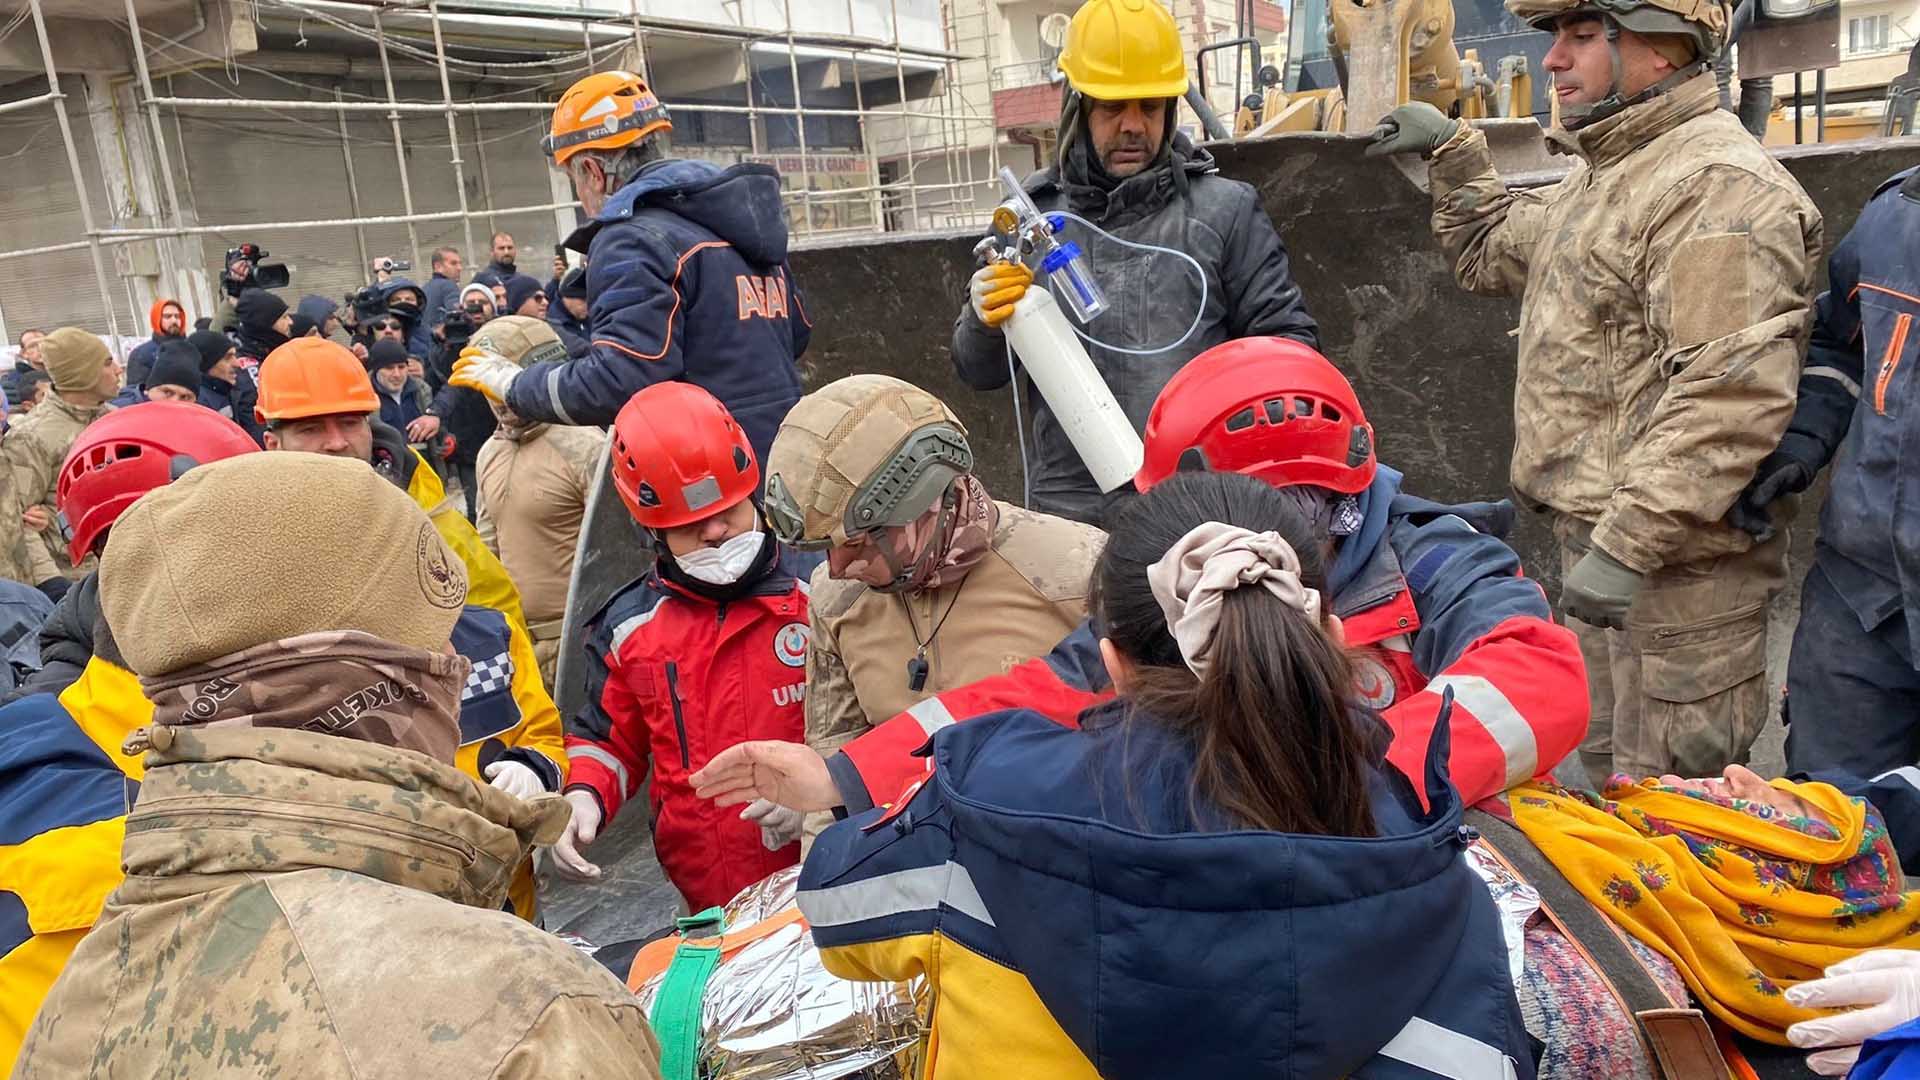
675, 679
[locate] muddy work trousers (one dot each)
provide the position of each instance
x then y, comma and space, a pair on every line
1683, 689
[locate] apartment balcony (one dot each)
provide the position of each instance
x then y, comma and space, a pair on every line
1025, 95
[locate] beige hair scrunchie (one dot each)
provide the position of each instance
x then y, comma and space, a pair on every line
1214, 559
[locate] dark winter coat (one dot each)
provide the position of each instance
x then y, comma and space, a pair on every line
687, 279
1181, 203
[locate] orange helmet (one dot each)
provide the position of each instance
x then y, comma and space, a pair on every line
604, 111
312, 376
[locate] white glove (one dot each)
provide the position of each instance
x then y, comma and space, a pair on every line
580, 831
517, 780
491, 374
1885, 982
779, 826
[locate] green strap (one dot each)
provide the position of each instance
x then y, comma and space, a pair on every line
676, 1008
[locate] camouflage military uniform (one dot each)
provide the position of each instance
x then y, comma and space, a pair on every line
35, 446
298, 904
534, 483
1667, 296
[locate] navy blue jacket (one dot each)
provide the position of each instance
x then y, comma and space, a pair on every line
420, 332
1168, 947
1860, 404
687, 279
574, 333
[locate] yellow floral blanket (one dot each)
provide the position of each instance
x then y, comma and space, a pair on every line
1744, 898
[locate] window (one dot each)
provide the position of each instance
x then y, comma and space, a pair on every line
1867, 34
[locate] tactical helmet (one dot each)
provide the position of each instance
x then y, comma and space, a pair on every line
1269, 407
861, 454
523, 340
1702, 22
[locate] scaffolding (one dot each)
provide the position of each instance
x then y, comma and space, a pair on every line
943, 126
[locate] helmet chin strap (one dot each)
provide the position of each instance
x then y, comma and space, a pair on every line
1615, 101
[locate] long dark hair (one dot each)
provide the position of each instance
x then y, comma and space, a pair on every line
1277, 743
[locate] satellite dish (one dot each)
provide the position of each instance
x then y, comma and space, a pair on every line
1053, 29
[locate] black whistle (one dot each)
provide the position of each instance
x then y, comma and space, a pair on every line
917, 674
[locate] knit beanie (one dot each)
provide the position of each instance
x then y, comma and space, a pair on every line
74, 358
385, 353
574, 285
176, 364
259, 309
520, 289
212, 346
521, 339
334, 546
483, 292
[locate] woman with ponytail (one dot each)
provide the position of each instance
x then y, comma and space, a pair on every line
1215, 876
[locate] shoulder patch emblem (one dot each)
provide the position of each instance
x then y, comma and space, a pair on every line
790, 644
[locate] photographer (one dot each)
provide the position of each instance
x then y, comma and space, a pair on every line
264, 325
464, 414
244, 270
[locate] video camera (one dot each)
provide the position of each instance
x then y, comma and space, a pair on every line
368, 302
255, 274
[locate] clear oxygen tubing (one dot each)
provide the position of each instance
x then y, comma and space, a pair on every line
1191, 261
1013, 375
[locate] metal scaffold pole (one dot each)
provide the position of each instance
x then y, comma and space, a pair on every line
79, 178
453, 132
800, 126
399, 146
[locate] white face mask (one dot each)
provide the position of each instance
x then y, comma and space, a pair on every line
725, 564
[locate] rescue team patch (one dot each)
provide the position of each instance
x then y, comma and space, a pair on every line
790, 644
438, 581
1374, 682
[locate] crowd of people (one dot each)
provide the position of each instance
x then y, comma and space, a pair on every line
1243, 768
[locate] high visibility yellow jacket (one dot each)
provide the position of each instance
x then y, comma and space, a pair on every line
487, 582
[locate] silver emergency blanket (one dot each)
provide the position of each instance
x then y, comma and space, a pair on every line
772, 1012
1517, 901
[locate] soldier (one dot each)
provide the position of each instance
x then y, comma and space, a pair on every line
85, 379
929, 583
534, 479
307, 871
1667, 294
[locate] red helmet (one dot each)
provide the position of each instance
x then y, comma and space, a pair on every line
1268, 407
680, 456
129, 452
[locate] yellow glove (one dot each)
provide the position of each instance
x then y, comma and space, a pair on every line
996, 287
478, 369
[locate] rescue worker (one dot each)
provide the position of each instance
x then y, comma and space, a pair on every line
1666, 289
929, 584
1183, 862
534, 480
687, 273
705, 650
1853, 681
1123, 165
336, 875
63, 774
1429, 598
85, 379
315, 397
168, 318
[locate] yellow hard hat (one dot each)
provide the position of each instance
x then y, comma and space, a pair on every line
1120, 50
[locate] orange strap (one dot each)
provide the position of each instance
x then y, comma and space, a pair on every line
654, 958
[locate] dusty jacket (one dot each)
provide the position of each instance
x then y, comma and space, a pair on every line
35, 446
534, 483
1022, 597
298, 904
1182, 203
1666, 289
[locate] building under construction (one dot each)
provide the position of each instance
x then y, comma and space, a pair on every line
142, 138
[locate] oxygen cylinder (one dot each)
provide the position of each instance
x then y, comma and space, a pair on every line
1059, 366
